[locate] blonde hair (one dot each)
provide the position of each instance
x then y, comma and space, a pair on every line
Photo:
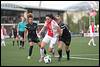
29, 15
58, 18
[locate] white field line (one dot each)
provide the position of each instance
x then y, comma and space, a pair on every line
85, 55
85, 58
72, 56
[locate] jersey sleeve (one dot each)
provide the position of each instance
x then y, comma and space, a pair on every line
62, 26
26, 26
54, 23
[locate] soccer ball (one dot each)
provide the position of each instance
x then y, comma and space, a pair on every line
47, 59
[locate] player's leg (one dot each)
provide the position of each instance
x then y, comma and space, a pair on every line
90, 42
43, 43
14, 39
67, 43
91, 35
30, 49
22, 39
93, 41
42, 51
59, 50
67, 52
17, 39
51, 50
39, 43
51, 46
3, 41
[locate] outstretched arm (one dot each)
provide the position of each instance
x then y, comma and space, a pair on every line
25, 34
43, 29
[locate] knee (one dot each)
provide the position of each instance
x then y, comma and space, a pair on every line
31, 44
39, 44
42, 45
67, 48
60, 46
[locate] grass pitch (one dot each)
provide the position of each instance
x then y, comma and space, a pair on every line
81, 54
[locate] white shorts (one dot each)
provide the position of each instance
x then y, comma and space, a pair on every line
91, 34
48, 39
2, 37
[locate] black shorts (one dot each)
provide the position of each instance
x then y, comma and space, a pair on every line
66, 40
21, 34
15, 35
33, 39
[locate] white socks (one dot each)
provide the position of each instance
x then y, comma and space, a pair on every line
42, 52
92, 40
3, 43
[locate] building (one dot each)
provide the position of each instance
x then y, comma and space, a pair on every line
10, 14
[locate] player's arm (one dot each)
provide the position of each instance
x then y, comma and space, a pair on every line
5, 32
25, 34
37, 29
12, 32
18, 29
88, 29
43, 28
58, 28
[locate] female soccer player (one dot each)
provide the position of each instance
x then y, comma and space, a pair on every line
92, 30
31, 29
53, 30
3, 33
15, 35
64, 37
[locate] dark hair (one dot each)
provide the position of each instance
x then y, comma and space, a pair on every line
51, 16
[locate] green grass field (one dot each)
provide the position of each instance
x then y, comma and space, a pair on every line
81, 54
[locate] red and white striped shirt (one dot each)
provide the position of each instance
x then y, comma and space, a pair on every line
92, 28
3, 32
51, 28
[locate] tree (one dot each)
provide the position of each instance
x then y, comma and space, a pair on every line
97, 18
73, 27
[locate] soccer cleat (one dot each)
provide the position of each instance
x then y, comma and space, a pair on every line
89, 44
94, 44
20, 46
68, 58
28, 57
23, 47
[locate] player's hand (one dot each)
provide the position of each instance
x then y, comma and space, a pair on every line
39, 35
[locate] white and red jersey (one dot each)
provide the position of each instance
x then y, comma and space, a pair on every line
51, 28
92, 28
3, 32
